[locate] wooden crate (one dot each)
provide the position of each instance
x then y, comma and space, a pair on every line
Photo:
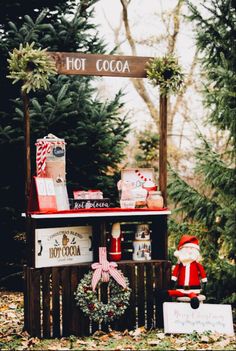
50, 307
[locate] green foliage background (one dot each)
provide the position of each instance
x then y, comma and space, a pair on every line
208, 210
95, 131
206, 207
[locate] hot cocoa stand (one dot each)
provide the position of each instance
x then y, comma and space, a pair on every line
62, 244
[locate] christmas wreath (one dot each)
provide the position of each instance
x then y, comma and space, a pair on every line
31, 66
166, 73
98, 311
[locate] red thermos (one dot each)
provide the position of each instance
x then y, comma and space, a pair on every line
115, 243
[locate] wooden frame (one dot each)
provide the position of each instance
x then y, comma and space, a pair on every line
54, 286
114, 66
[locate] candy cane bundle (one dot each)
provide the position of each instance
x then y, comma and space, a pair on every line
50, 157
43, 148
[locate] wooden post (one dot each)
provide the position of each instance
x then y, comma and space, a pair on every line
27, 147
163, 148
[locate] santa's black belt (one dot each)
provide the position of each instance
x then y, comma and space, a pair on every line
186, 287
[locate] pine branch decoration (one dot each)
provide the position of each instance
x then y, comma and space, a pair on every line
31, 66
166, 73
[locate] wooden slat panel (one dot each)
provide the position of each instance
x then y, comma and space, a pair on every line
121, 323
149, 294
35, 311
74, 310
158, 275
131, 310
166, 274
141, 295
56, 302
83, 321
158, 279
66, 301
46, 272
143, 278
104, 299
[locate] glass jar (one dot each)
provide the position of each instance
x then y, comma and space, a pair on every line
155, 200
140, 196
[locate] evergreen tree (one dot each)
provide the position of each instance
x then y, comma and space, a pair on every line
14, 10
95, 131
212, 204
147, 153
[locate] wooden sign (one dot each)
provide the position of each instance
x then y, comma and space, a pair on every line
181, 318
63, 245
100, 65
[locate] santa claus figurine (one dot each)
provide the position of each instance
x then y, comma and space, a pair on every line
188, 273
115, 243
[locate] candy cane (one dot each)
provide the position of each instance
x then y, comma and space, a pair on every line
43, 148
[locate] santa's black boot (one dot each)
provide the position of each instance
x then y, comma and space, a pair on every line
194, 303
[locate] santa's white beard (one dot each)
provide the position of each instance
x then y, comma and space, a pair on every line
187, 255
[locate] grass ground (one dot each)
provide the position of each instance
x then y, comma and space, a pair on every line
12, 336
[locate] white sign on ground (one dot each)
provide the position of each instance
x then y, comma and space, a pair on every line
63, 245
181, 318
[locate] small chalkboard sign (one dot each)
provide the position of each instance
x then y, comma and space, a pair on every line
89, 203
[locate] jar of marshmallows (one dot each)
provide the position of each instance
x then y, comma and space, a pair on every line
155, 200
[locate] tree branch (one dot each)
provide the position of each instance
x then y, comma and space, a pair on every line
138, 84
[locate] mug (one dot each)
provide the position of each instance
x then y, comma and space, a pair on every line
142, 232
142, 250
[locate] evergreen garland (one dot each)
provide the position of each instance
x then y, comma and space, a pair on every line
31, 66
166, 73
98, 311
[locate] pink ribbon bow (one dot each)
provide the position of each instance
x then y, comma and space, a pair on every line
104, 269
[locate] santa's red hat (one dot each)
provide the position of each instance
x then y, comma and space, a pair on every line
188, 241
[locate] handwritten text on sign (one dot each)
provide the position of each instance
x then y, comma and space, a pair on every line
63, 245
181, 318
100, 65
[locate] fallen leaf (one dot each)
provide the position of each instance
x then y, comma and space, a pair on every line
98, 333
3, 308
161, 335
129, 347
125, 332
10, 315
12, 306
223, 343
80, 342
104, 337
205, 338
137, 332
153, 342
215, 336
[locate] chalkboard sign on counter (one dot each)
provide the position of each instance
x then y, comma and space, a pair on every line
89, 203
